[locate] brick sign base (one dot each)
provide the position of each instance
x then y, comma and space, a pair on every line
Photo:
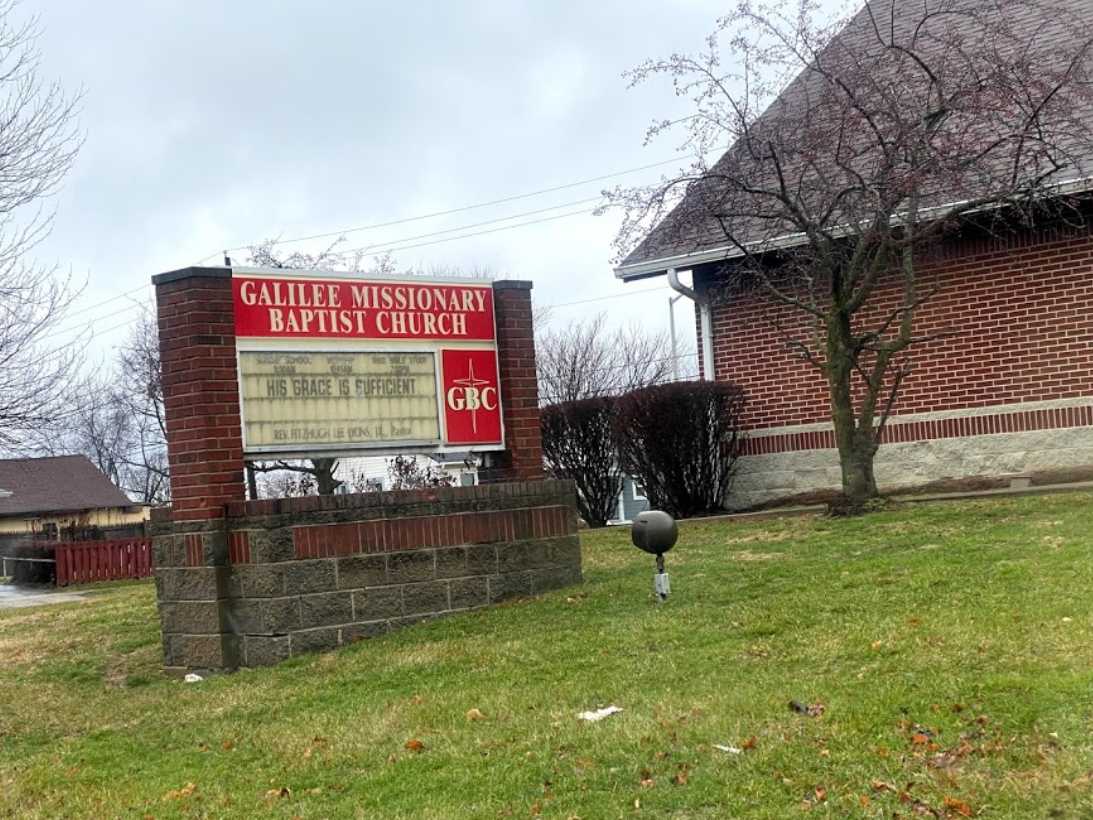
281, 577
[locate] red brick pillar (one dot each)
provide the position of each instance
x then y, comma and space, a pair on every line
523, 458
200, 391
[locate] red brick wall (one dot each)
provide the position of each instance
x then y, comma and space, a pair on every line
201, 391
1019, 312
523, 460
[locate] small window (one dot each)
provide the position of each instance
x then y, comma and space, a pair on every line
639, 491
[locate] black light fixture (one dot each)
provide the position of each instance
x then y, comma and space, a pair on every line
656, 532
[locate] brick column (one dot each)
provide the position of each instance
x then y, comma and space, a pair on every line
205, 453
523, 460
200, 391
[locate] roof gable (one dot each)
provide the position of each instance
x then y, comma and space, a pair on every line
57, 484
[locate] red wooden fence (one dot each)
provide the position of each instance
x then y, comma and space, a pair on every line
82, 562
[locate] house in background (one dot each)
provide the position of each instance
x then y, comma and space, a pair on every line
632, 500
372, 472
41, 499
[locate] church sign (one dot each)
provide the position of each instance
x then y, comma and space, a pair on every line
335, 364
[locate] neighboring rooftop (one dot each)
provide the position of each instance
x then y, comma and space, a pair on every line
57, 484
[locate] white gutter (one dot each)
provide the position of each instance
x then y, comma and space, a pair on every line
705, 319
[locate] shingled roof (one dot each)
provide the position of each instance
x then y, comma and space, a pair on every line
58, 484
690, 235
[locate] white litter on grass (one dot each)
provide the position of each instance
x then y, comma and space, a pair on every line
599, 714
729, 749
192, 678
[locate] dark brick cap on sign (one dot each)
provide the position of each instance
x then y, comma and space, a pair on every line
191, 273
512, 284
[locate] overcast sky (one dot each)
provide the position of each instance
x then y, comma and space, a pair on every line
211, 125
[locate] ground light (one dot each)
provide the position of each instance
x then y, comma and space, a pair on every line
656, 532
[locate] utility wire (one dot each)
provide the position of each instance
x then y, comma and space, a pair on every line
107, 301
383, 250
461, 209
393, 242
143, 305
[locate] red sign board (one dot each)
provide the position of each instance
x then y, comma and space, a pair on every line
281, 307
472, 396
345, 365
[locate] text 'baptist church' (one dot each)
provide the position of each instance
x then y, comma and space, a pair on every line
364, 309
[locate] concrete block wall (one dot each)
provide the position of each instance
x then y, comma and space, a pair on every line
288, 576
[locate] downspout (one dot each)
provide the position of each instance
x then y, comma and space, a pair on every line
705, 321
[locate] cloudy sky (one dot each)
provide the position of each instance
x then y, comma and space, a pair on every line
213, 125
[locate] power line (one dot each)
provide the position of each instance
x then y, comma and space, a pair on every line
144, 305
469, 235
107, 301
478, 224
603, 298
461, 209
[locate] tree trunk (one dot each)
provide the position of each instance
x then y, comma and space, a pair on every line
857, 446
324, 475
859, 483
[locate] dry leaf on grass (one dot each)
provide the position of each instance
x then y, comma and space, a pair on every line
682, 776
814, 797
749, 744
282, 792
415, 745
958, 806
178, 794
475, 714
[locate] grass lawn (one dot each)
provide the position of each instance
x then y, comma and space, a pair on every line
950, 645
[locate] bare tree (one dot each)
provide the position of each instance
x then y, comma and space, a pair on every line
39, 141
116, 419
316, 474
138, 391
412, 473
582, 368
579, 444
586, 359
856, 147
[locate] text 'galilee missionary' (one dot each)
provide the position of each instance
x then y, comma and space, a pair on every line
360, 309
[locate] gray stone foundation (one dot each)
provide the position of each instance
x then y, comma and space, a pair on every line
762, 479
